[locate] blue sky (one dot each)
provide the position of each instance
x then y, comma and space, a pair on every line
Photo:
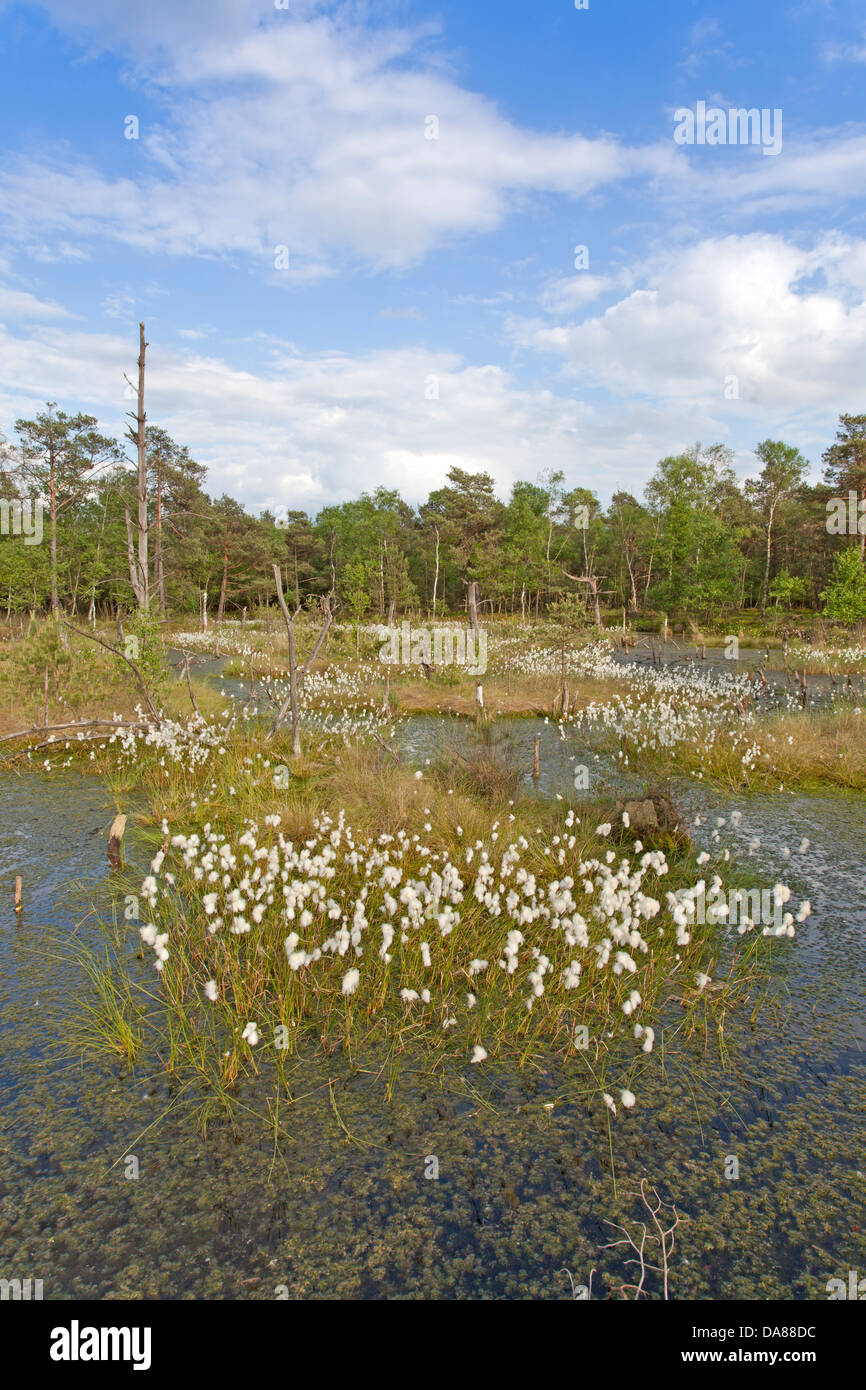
431, 313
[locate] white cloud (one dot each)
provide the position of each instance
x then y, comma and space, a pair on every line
19, 305
846, 52
311, 430
740, 184
159, 23
311, 136
295, 129
788, 323
705, 41
566, 295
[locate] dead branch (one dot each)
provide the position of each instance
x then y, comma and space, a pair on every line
663, 1235
91, 637
296, 676
187, 658
50, 728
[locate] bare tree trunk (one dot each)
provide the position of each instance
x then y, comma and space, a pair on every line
158, 566
649, 573
75, 585
130, 553
52, 486
631, 582
766, 583
223, 585
296, 678
436, 574
472, 600
138, 569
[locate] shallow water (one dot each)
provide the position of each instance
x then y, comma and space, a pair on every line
523, 1193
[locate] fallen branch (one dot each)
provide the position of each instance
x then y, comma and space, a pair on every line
59, 745
49, 728
382, 744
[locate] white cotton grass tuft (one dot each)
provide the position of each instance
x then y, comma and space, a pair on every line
351, 980
627, 1098
552, 920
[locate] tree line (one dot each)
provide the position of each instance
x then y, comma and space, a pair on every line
697, 544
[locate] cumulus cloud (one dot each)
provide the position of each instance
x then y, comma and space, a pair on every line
347, 143
308, 430
787, 322
566, 295
305, 134
19, 305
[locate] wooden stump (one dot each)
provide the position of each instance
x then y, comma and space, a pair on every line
115, 837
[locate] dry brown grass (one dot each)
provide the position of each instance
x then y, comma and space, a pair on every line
506, 696
809, 750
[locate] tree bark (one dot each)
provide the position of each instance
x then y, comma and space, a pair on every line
138, 567
766, 583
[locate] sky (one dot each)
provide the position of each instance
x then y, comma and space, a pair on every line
373, 241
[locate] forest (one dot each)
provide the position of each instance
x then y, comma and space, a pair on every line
699, 545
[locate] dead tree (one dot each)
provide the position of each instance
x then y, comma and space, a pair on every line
138, 568
591, 580
296, 676
436, 572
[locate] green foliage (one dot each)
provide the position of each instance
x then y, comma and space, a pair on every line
569, 613
73, 673
845, 595
787, 589
698, 546
143, 644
